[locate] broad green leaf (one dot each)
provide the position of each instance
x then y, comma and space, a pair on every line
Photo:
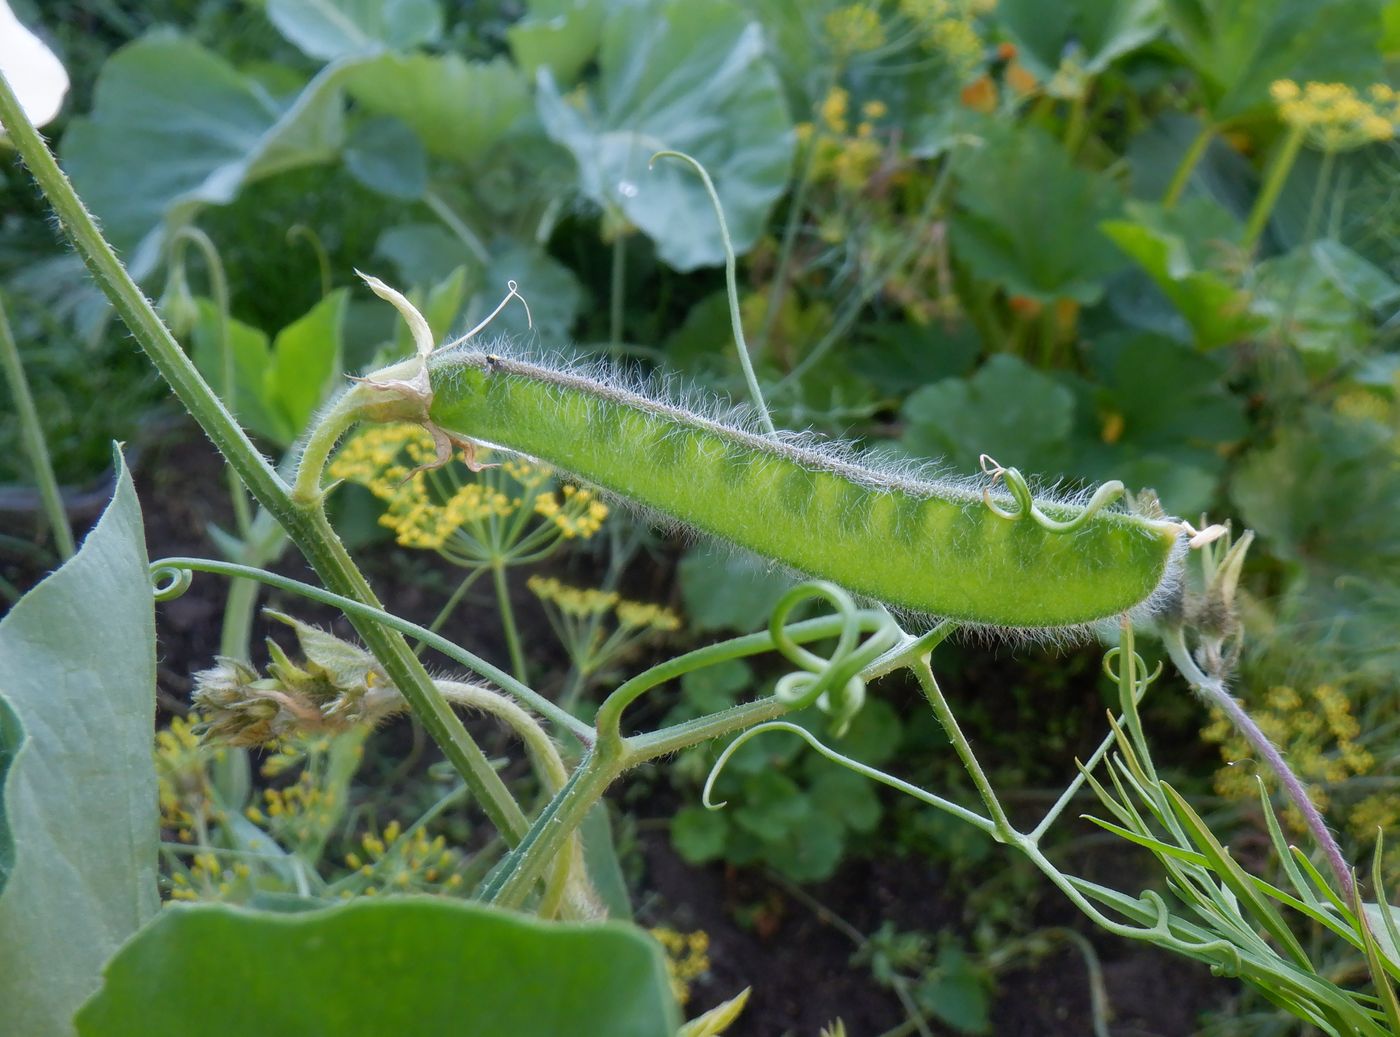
1357, 278
956, 992
560, 35
305, 363
552, 290
330, 29
1183, 250
847, 799
423, 253
726, 590
403, 965
78, 825
1027, 218
1007, 409
459, 108
1239, 47
174, 127
1307, 301
1092, 33
687, 77
386, 156
1160, 418
278, 385
698, 834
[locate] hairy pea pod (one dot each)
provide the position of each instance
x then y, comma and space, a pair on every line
925, 545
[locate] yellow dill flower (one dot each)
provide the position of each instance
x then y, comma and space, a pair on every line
834, 108
1334, 116
687, 958
405, 860
854, 29
876, 109
654, 617
575, 512
583, 602
182, 779
1317, 733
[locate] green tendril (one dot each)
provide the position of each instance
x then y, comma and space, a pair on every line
1020, 491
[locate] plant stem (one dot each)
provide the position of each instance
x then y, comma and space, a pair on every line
731, 281
1274, 180
924, 672
525, 864
1189, 161
1324, 181
517, 656
1214, 693
457, 225
307, 528
451, 604
228, 372
32, 436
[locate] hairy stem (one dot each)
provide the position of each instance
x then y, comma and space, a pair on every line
1214, 693
309, 530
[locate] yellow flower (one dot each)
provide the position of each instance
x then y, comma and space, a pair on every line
1336, 117
854, 29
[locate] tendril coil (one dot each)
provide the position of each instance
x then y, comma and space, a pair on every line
1020, 492
833, 683
168, 581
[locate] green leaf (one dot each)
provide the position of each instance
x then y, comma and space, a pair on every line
726, 590
1176, 248
250, 357
698, 834
423, 253
1169, 418
1094, 33
174, 127
1027, 217
846, 799
305, 363
1007, 409
1360, 280
1307, 300
330, 29
552, 290
1239, 47
78, 805
560, 35
688, 77
406, 965
387, 156
956, 992
1255, 906
459, 108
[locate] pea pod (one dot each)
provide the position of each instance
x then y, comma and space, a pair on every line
927, 545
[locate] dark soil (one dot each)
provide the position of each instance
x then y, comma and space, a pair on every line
797, 962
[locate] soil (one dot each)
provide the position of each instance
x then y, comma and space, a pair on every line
796, 959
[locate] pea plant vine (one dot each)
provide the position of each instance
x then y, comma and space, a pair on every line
881, 542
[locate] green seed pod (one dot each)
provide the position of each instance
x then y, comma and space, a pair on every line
922, 544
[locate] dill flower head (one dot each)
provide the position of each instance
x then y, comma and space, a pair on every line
854, 29
687, 957
403, 861
454, 511
583, 602
182, 779
1336, 117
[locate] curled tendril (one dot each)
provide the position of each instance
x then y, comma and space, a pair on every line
833, 682
1020, 492
1113, 655
169, 581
